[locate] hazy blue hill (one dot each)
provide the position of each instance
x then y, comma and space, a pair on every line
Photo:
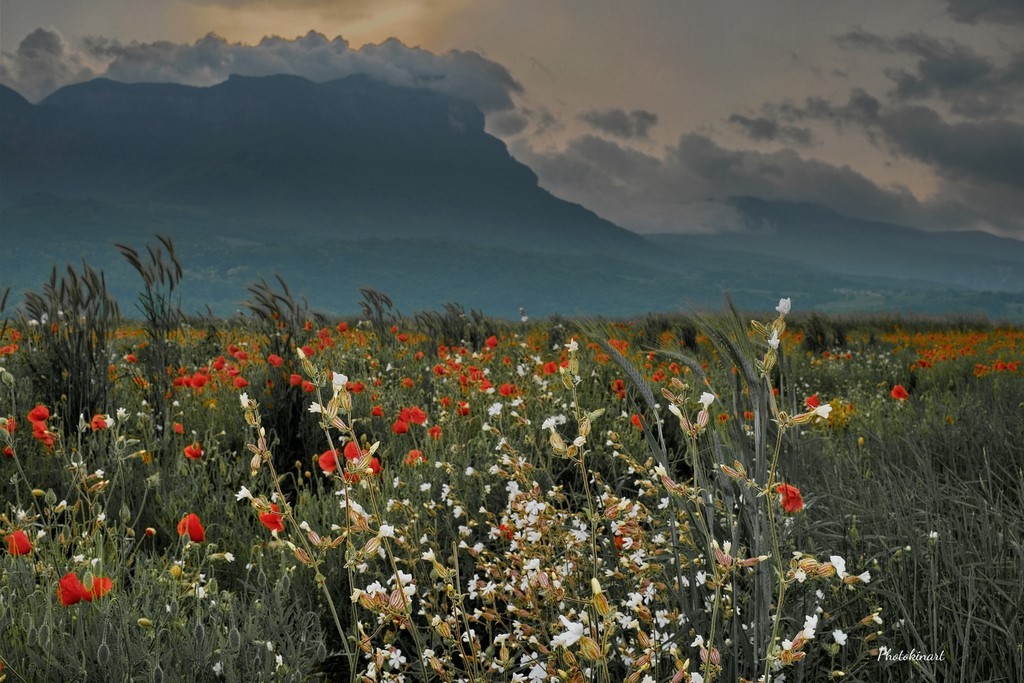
809, 233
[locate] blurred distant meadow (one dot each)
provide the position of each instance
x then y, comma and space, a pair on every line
452, 497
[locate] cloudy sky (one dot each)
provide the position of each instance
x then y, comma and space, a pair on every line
651, 113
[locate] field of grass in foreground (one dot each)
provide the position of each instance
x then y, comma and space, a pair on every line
452, 498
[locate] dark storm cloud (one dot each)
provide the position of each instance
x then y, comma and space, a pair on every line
673, 192
990, 151
766, 129
212, 59
980, 151
621, 124
972, 84
994, 11
41, 64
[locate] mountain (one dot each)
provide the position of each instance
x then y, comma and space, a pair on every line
334, 160
354, 183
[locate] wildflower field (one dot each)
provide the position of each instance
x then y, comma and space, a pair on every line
448, 497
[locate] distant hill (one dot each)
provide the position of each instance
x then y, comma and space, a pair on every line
810, 233
355, 183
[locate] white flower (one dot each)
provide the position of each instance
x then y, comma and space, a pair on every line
573, 632
784, 306
218, 668
810, 624
315, 407
228, 557
933, 535
573, 346
696, 677
494, 410
243, 398
823, 410
386, 531
243, 493
122, 414
840, 564
839, 637
706, 399
773, 341
698, 642
396, 659
338, 382
865, 577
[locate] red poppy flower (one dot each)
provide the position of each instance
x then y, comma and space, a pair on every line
375, 465
70, 590
308, 387
308, 350
241, 382
792, 501
178, 428
294, 380
18, 543
619, 388
492, 342
131, 358
101, 585
434, 432
191, 525
98, 422
193, 451
507, 389
352, 451
899, 393
328, 461
550, 368
275, 360
636, 421
355, 387
463, 408
414, 415
199, 381
414, 457
377, 411
400, 426
39, 414
273, 520
11, 426
812, 401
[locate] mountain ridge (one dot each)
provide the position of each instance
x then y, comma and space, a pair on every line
354, 183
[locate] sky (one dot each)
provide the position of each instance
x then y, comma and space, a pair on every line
653, 114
